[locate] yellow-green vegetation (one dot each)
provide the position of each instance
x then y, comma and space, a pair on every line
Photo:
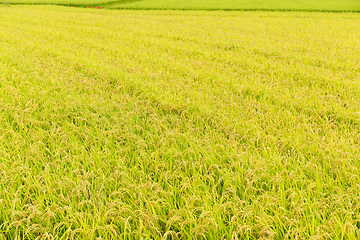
313, 5
178, 124
74, 3
288, 5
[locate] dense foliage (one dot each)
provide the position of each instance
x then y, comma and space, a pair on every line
288, 5
178, 124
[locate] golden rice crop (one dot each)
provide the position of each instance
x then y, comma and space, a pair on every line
318, 5
178, 124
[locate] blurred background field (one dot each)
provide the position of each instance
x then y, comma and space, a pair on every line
307, 5
320, 5
74, 3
